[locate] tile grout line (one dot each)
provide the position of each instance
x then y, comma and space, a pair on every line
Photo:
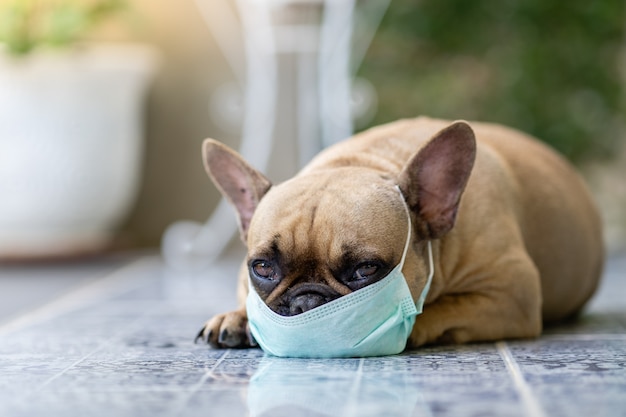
352, 408
194, 389
210, 371
529, 401
80, 296
110, 341
48, 381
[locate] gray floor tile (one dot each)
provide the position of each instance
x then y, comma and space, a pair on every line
123, 345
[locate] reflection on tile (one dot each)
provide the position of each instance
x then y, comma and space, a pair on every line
302, 388
129, 351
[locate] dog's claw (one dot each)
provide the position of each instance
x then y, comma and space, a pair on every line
227, 338
230, 339
199, 336
251, 340
223, 337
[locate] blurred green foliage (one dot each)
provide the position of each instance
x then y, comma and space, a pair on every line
28, 24
551, 68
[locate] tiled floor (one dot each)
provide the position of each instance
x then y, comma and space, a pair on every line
115, 338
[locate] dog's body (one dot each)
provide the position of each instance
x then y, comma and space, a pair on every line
522, 246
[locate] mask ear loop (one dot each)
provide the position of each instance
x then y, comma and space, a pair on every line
431, 273
431, 268
410, 226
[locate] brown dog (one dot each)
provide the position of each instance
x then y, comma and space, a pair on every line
516, 238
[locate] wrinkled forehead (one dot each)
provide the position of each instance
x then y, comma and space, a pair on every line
330, 213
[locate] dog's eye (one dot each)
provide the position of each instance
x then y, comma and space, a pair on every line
263, 269
365, 271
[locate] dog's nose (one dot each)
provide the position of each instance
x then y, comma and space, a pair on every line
306, 296
305, 302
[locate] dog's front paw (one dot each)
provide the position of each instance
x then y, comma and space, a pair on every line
229, 330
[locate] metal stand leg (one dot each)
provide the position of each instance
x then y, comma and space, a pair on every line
189, 245
324, 95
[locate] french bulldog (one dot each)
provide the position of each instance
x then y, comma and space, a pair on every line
516, 238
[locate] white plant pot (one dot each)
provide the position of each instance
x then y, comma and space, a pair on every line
71, 127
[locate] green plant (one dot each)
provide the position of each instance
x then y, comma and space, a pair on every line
28, 24
554, 69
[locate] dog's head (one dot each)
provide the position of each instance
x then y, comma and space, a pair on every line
332, 231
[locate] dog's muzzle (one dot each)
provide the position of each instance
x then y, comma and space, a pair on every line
305, 297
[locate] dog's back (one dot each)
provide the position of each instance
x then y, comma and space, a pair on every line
532, 190
560, 224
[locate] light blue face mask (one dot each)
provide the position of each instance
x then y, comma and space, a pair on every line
373, 321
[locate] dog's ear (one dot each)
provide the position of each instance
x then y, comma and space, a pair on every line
242, 185
435, 177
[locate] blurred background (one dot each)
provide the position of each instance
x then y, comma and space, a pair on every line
553, 69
